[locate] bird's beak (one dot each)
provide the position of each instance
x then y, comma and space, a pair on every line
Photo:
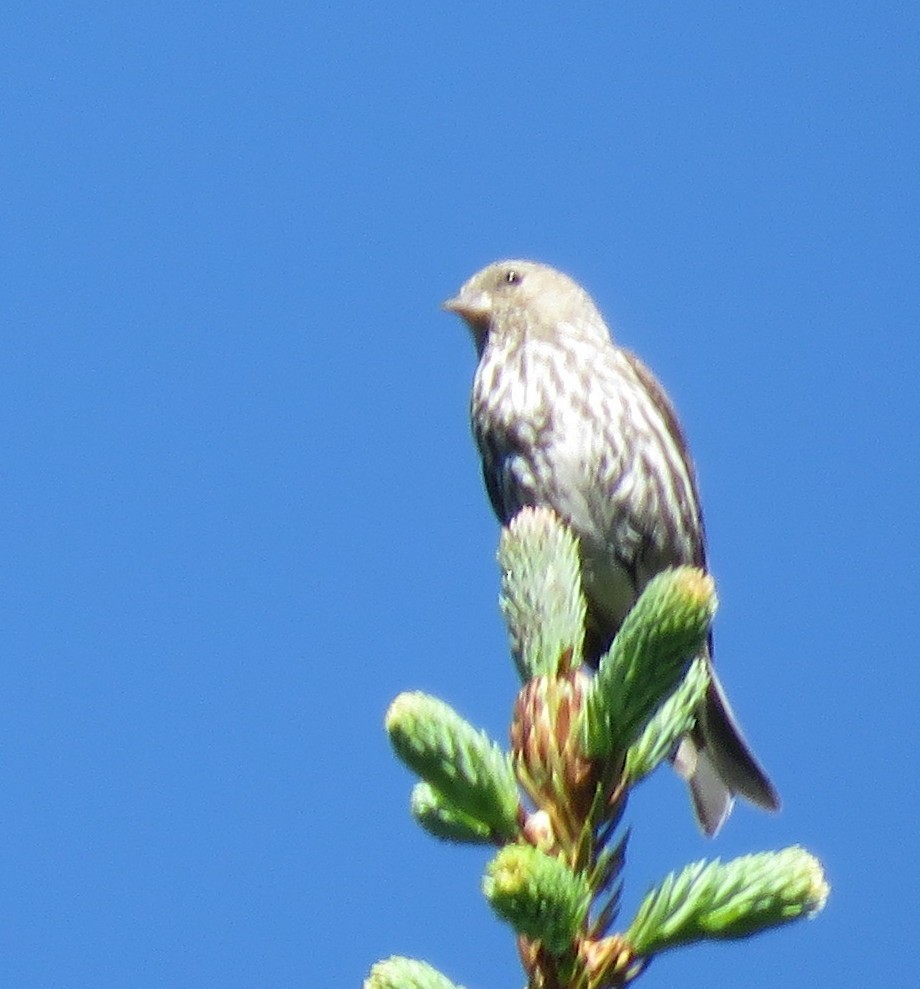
474, 309
455, 305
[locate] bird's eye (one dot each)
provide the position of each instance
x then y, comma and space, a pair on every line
513, 277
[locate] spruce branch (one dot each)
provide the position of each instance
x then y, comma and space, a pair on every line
716, 900
665, 629
538, 895
669, 723
580, 741
541, 595
463, 764
440, 818
406, 973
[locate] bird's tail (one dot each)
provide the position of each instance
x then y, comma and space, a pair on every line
718, 763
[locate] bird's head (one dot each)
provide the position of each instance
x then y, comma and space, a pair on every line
515, 298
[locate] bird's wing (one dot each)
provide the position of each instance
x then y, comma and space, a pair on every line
502, 509
672, 424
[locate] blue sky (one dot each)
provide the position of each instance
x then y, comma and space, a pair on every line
241, 506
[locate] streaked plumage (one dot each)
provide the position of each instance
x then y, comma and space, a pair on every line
565, 418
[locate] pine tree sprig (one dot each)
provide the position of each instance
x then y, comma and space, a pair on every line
406, 973
441, 819
461, 763
538, 895
722, 901
669, 723
662, 633
541, 595
555, 805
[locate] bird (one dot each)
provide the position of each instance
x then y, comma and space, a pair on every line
564, 418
